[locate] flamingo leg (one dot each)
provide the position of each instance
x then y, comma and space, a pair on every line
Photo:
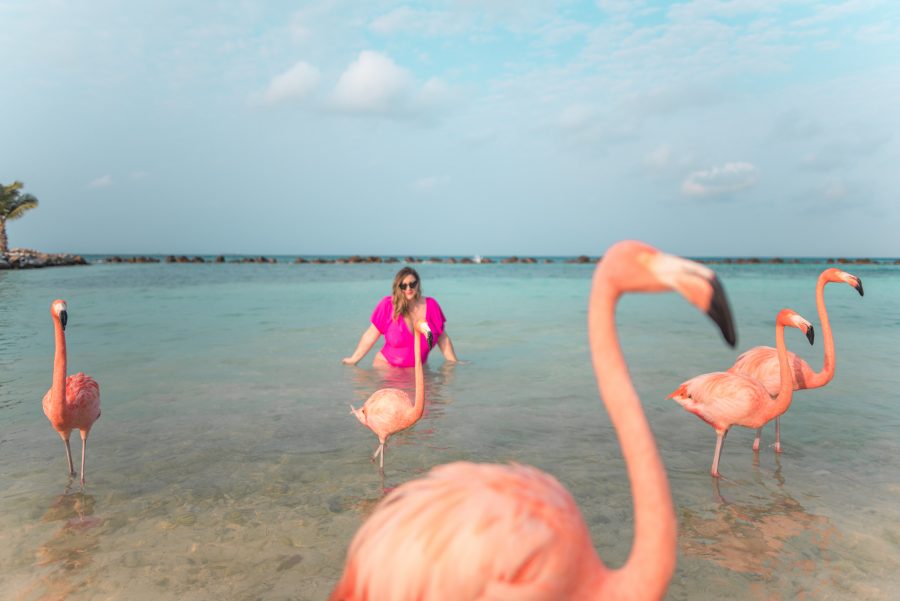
720, 440
777, 434
83, 451
381, 465
757, 439
69, 455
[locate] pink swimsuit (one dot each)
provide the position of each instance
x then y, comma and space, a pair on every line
398, 340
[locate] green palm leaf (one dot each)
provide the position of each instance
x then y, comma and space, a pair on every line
20, 206
14, 204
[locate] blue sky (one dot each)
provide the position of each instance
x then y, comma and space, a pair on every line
706, 127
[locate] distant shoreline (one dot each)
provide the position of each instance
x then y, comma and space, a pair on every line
19, 258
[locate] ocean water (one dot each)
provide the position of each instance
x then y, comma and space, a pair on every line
226, 463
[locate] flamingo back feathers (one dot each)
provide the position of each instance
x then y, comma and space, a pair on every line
387, 411
724, 399
761, 363
471, 531
82, 405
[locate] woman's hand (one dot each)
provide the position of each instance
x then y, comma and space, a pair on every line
366, 342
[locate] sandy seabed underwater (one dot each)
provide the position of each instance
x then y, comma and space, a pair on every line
226, 463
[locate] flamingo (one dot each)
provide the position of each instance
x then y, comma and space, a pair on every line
72, 402
761, 362
725, 399
471, 531
389, 410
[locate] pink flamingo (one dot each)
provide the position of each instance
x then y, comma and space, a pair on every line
479, 531
761, 362
389, 410
72, 402
725, 399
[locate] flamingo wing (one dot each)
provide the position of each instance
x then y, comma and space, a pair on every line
82, 400
761, 363
722, 399
387, 409
482, 531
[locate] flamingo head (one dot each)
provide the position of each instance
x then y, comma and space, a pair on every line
422, 328
638, 267
836, 275
59, 310
790, 318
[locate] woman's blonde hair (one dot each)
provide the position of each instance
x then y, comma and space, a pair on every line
401, 306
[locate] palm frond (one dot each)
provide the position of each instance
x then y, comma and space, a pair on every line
14, 204
19, 206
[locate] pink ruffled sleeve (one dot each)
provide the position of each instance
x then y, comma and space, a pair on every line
435, 317
381, 316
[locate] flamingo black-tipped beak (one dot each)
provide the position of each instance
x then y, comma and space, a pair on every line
430, 338
810, 334
63, 318
720, 312
859, 287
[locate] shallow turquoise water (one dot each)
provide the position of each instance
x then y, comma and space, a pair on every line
226, 461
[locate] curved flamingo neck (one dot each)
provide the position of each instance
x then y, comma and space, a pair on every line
651, 563
823, 377
58, 386
419, 407
786, 390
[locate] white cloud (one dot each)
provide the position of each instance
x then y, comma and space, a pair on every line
840, 11
294, 84
374, 84
104, 181
721, 179
406, 20
879, 33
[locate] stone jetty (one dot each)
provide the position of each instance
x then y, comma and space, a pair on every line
26, 258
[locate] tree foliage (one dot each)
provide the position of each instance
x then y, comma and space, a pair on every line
14, 204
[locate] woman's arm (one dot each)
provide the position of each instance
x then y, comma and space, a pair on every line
366, 342
446, 346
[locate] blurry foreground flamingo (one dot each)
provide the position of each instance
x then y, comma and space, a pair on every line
481, 531
389, 410
761, 362
725, 399
73, 402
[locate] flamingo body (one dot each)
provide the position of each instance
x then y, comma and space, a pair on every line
761, 362
387, 412
73, 402
723, 400
82, 404
726, 399
455, 529
390, 410
468, 532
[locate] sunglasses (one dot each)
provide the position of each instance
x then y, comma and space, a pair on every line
412, 285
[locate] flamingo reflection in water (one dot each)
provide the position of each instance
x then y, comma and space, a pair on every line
767, 535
